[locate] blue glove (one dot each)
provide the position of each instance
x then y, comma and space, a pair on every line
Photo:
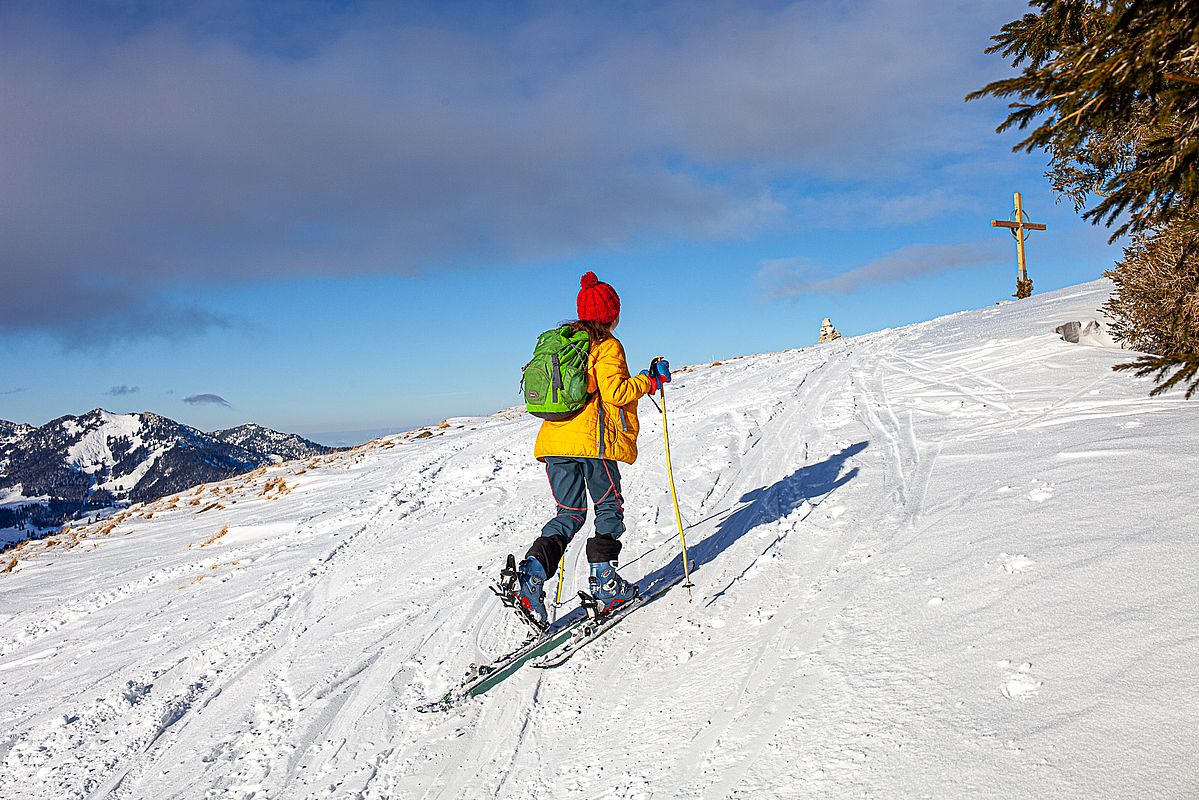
660, 369
658, 374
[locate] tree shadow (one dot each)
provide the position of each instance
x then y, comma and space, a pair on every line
763, 506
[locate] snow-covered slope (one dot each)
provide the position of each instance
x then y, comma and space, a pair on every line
956, 559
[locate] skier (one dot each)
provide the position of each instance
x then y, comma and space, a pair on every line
581, 454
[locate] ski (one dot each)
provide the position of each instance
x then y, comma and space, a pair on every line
596, 626
556, 643
480, 678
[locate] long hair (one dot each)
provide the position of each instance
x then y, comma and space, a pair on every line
596, 331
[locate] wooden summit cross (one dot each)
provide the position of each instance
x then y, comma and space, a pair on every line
1018, 225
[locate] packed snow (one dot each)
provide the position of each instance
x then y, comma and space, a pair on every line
956, 559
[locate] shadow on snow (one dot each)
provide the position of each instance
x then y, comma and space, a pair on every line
763, 506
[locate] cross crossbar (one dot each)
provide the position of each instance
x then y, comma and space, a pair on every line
1032, 226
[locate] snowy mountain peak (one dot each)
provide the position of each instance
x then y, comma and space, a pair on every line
96, 435
97, 460
283, 446
10, 431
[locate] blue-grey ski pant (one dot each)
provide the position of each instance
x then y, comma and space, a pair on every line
571, 480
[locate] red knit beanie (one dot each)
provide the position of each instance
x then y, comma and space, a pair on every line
597, 300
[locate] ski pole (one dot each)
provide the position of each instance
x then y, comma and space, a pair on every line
558, 596
674, 495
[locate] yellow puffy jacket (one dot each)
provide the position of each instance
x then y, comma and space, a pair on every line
607, 426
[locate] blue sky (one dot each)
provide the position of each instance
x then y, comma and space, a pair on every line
352, 216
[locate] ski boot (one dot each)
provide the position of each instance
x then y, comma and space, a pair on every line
608, 589
521, 589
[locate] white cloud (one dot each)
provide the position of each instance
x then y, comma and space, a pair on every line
207, 399
791, 277
123, 390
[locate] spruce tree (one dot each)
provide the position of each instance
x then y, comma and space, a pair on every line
1156, 306
1109, 89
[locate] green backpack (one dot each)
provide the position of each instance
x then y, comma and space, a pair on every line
554, 382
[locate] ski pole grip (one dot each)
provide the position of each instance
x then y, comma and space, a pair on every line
653, 363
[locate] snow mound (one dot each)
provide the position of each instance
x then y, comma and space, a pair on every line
1090, 332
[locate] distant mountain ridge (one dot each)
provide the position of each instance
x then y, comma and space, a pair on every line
12, 430
77, 464
287, 446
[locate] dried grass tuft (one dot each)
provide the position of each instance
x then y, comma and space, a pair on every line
212, 538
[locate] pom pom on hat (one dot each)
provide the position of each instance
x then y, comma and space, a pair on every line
597, 300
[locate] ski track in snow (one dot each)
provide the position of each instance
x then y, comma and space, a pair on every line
953, 560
